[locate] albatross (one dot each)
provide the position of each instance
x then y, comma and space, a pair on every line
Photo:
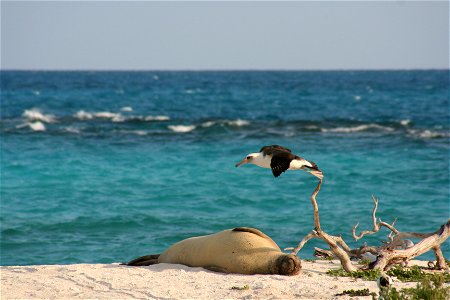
280, 159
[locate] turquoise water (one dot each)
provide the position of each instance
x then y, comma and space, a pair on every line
100, 167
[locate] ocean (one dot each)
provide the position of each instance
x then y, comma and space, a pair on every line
102, 167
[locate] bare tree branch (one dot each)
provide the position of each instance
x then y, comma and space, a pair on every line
433, 241
376, 226
397, 250
332, 241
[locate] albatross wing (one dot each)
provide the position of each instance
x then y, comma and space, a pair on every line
279, 164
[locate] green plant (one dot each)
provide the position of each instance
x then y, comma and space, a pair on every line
364, 274
429, 288
364, 262
407, 274
403, 274
414, 273
354, 293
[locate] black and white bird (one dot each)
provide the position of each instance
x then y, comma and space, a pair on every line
280, 159
384, 283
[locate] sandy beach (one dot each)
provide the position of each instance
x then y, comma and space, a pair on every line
169, 281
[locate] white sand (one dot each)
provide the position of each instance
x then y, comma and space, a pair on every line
167, 281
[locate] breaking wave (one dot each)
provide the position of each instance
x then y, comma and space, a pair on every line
235, 123
37, 115
181, 128
428, 134
123, 123
363, 127
34, 126
117, 117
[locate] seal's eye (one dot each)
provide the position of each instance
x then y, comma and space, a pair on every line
249, 157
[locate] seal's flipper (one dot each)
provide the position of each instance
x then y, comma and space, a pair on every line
216, 269
146, 260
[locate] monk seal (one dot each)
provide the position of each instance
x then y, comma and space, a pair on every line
240, 250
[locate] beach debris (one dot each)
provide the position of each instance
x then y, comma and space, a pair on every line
241, 288
397, 250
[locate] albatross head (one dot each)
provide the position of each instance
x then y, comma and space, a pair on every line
248, 159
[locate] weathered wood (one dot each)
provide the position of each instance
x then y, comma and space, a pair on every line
440, 260
316, 207
332, 241
396, 251
387, 257
376, 226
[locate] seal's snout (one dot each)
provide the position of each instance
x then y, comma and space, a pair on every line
289, 265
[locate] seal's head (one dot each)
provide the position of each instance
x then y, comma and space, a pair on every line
288, 264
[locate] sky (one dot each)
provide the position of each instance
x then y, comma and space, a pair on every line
224, 35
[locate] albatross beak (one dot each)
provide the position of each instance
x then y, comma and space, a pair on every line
242, 162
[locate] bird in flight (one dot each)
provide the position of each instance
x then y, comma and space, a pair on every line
280, 159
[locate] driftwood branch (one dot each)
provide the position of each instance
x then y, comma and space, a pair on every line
431, 241
397, 250
332, 241
376, 226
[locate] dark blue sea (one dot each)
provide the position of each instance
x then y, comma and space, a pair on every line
102, 167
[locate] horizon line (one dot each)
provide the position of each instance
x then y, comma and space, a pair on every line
225, 70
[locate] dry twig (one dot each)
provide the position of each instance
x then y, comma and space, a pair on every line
386, 255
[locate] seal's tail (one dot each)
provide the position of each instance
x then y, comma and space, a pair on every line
146, 260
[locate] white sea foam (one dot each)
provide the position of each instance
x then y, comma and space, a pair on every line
36, 115
105, 114
37, 126
126, 108
428, 134
82, 115
359, 128
208, 124
115, 117
157, 118
405, 122
72, 130
237, 122
140, 132
312, 127
181, 128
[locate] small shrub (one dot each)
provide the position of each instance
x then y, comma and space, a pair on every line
364, 262
354, 293
364, 274
429, 288
403, 274
414, 273
407, 274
